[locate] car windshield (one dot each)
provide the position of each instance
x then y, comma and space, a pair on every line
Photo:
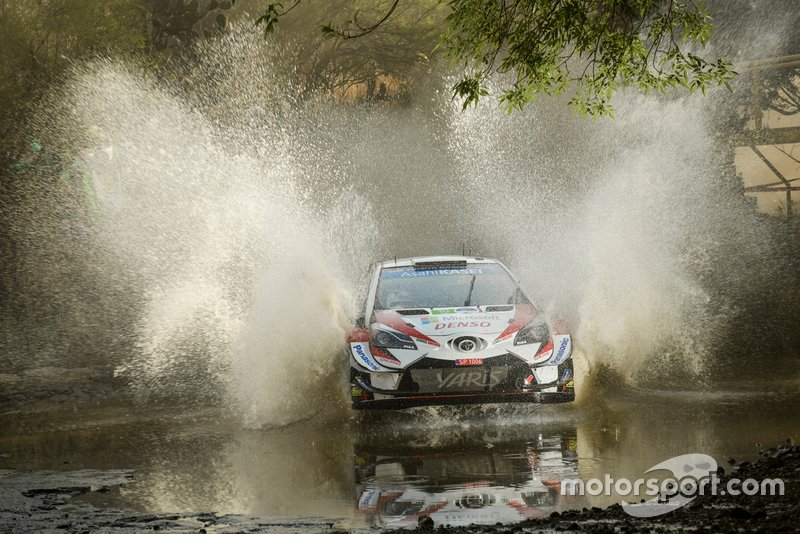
478, 285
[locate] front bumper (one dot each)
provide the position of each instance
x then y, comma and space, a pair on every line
445, 399
404, 399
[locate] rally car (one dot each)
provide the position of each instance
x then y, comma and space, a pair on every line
454, 330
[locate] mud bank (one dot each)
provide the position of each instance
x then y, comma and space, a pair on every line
721, 513
49, 501
72, 501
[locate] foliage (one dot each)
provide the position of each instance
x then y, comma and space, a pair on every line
614, 43
546, 46
750, 33
782, 90
274, 12
398, 49
39, 40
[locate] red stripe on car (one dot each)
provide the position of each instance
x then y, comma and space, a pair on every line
360, 335
395, 320
545, 348
523, 315
378, 353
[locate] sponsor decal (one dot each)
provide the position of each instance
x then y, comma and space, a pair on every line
356, 391
464, 324
364, 359
471, 309
470, 317
476, 379
411, 272
429, 320
562, 349
369, 499
469, 361
441, 311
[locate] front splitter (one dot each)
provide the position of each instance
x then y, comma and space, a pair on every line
398, 403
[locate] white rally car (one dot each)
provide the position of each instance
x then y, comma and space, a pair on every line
454, 330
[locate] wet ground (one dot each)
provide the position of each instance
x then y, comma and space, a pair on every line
123, 463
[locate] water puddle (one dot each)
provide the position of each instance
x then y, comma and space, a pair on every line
456, 465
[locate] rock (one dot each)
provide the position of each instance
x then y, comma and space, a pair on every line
425, 522
773, 462
739, 513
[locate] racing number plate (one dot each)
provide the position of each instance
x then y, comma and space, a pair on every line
469, 361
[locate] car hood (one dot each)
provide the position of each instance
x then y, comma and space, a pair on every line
447, 322
437, 324
435, 330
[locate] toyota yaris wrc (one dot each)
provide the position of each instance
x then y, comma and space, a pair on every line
454, 330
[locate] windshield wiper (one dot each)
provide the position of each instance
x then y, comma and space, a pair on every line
469, 295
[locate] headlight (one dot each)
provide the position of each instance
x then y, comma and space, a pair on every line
536, 332
392, 340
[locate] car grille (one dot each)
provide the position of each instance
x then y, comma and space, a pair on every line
497, 374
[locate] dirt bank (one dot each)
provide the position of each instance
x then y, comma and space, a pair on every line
721, 513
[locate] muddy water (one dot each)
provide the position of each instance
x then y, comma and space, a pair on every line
461, 465
241, 230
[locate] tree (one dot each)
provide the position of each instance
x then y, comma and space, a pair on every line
750, 33
594, 47
397, 52
172, 22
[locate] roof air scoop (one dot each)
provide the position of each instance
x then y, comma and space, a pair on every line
434, 265
414, 311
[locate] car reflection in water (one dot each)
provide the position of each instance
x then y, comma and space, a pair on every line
505, 482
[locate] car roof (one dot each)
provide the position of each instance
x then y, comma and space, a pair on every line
410, 262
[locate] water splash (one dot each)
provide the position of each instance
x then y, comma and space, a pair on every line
243, 217
247, 284
612, 224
